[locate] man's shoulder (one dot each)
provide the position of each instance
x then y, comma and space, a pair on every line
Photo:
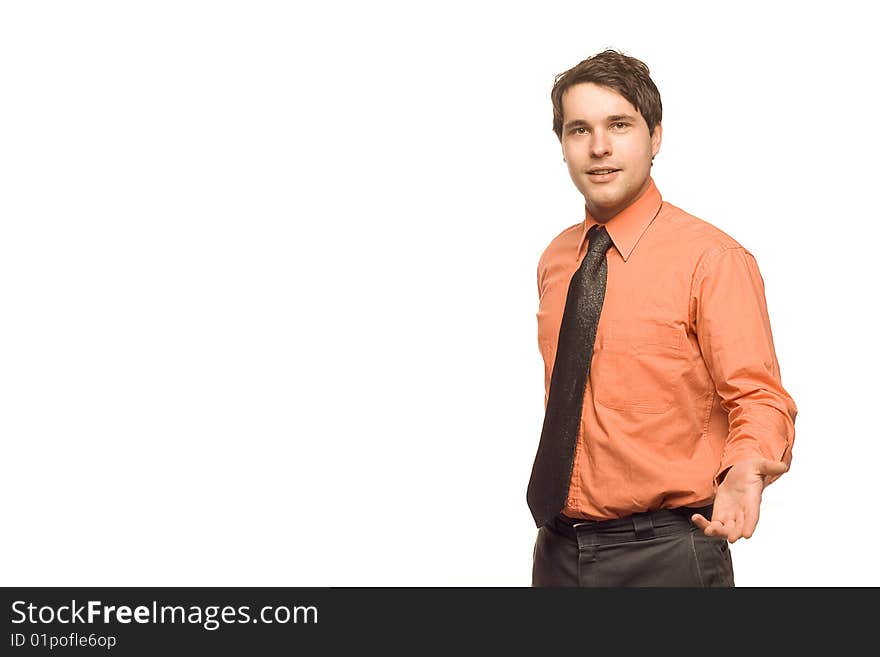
568, 235
697, 228
701, 239
566, 240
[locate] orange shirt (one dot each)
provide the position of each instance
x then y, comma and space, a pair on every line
684, 380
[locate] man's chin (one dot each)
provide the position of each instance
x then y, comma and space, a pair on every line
600, 205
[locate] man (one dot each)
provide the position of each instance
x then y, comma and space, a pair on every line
665, 411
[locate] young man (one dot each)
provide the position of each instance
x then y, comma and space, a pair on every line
665, 411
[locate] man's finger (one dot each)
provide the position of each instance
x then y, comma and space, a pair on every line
716, 528
750, 522
735, 527
703, 523
699, 521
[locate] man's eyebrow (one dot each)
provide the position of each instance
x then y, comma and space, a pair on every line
614, 117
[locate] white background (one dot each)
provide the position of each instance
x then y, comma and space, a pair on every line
267, 277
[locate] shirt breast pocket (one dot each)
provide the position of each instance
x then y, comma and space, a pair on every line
637, 367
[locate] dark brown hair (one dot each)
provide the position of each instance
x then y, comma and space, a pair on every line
626, 75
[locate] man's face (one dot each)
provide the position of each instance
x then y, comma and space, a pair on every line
602, 130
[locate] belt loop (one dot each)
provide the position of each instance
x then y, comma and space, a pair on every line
588, 543
643, 526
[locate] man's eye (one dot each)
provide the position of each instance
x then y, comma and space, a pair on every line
621, 124
580, 130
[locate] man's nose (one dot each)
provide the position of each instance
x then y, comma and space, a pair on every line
600, 146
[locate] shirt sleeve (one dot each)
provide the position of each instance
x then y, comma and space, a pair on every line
733, 329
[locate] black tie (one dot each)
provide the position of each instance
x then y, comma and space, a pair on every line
551, 472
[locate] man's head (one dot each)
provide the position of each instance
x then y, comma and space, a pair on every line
607, 114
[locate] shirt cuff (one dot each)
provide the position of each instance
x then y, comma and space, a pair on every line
740, 453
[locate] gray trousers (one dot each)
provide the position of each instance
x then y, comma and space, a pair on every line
661, 548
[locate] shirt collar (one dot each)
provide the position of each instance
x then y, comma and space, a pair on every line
628, 225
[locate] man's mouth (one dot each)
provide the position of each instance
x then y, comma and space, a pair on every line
601, 172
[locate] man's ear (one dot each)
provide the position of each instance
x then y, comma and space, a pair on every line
656, 139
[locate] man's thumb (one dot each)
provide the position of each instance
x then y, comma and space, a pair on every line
773, 468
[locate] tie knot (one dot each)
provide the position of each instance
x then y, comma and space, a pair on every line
600, 240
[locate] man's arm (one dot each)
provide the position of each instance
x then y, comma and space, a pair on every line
733, 329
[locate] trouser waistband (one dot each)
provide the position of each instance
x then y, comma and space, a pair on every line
635, 527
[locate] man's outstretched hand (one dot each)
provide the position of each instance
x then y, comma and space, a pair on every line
738, 500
